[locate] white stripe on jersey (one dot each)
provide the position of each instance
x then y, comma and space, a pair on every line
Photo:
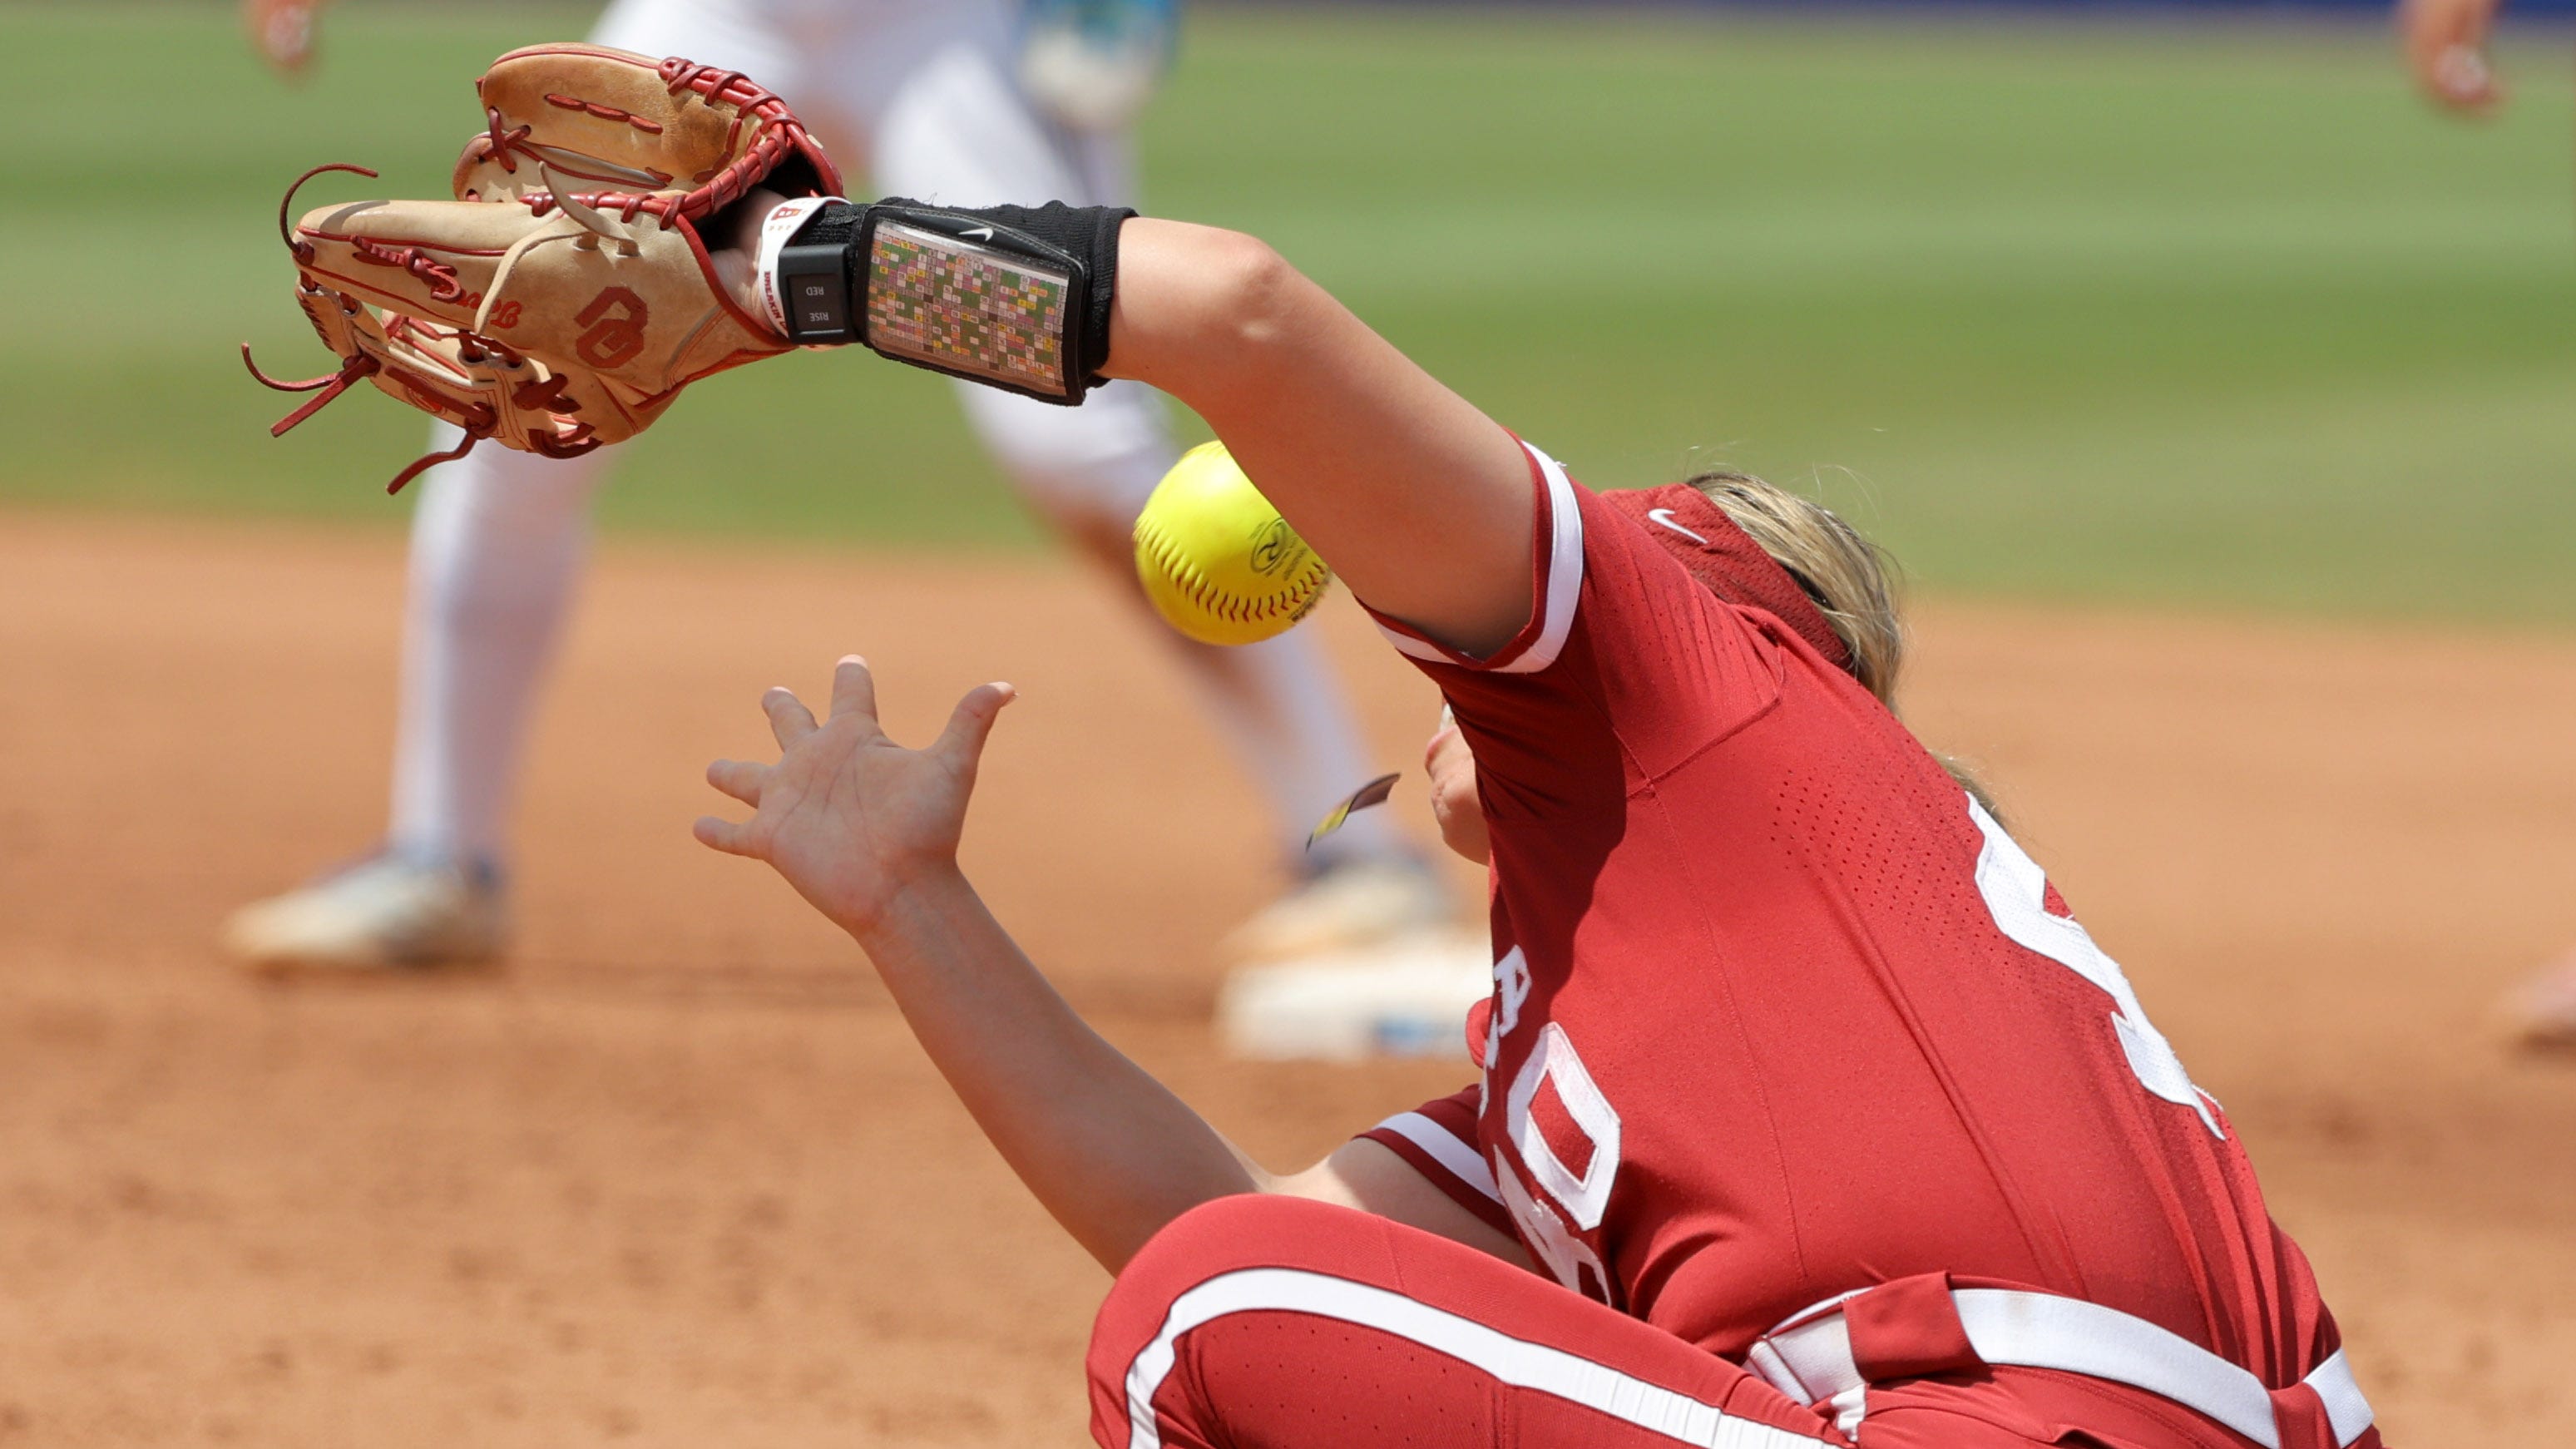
1564, 569
1563, 582
1458, 1158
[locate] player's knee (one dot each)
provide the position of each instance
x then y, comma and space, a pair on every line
1215, 1237
1222, 1236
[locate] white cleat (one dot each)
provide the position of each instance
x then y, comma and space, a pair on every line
388, 912
1351, 906
2541, 1013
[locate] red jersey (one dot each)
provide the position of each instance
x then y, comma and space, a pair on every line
1780, 1013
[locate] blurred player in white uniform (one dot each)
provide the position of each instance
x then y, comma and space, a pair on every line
962, 102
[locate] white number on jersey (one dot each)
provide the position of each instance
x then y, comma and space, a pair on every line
1581, 1197
1511, 989
1584, 1196
2016, 892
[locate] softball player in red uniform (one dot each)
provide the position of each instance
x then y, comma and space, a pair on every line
1806, 1110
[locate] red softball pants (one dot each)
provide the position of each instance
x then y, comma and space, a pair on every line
1274, 1323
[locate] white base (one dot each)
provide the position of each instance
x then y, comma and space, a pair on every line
1405, 998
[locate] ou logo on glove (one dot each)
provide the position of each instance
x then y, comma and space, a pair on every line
616, 319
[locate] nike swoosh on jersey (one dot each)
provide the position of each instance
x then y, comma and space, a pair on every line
1664, 516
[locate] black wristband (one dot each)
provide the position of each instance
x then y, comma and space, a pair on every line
1087, 232
1012, 297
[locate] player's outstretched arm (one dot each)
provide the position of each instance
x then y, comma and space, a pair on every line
1417, 499
1420, 502
867, 832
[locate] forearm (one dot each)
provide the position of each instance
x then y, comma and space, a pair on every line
1106, 1149
1419, 501
1414, 496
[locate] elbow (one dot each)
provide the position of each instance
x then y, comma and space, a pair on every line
1244, 294
1251, 287
1201, 311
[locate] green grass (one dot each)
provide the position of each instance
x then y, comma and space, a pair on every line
2215, 315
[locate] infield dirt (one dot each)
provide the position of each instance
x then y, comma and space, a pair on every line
678, 1176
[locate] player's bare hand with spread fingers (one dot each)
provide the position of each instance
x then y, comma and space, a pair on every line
867, 832
850, 818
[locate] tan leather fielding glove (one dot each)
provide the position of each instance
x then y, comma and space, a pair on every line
567, 295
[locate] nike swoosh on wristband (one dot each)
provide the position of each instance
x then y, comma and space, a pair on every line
980, 233
1664, 516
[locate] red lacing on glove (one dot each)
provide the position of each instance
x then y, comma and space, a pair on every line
479, 423
499, 144
571, 443
626, 204
475, 347
721, 86
330, 384
474, 433
297, 247
728, 187
781, 134
443, 285
604, 111
477, 419
546, 396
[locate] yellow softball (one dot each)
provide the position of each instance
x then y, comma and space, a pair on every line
1217, 560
